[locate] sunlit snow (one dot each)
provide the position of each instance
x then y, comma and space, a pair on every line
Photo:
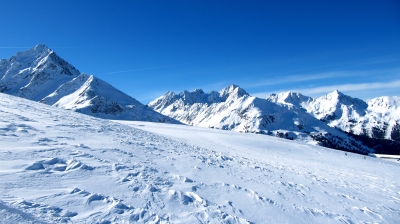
60, 166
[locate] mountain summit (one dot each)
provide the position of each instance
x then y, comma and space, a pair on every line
35, 73
39, 74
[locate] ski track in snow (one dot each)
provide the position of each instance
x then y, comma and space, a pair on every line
60, 166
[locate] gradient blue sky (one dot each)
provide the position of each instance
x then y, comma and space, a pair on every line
146, 48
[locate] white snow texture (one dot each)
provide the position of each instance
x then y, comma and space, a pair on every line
60, 166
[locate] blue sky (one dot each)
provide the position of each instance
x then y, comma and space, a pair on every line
146, 48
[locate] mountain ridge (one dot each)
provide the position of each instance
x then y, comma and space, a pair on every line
326, 120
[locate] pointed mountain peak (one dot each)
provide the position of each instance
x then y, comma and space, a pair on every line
337, 93
289, 98
200, 91
40, 47
39, 50
35, 53
232, 90
336, 97
290, 95
169, 93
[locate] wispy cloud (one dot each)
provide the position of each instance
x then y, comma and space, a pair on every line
358, 87
304, 77
352, 87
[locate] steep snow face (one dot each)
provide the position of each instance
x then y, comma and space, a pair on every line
35, 73
90, 95
233, 109
39, 74
58, 166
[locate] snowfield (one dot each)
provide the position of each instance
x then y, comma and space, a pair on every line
61, 166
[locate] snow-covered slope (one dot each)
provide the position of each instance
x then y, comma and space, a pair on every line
60, 166
233, 109
39, 74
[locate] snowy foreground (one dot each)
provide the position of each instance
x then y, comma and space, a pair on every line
61, 166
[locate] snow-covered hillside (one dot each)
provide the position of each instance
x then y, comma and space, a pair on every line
39, 74
60, 166
234, 109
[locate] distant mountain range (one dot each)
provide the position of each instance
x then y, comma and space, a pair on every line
39, 74
336, 120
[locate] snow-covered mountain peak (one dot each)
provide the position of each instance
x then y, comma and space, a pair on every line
386, 102
28, 58
336, 106
337, 97
40, 48
35, 73
232, 91
196, 96
289, 98
387, 108
199, 91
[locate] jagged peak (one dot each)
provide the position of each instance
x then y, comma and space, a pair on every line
232, 89
289, 98
35, 53
289, 94
41, 47
385, 102
198, 91
38, 50
170, 93
337, 98
192, 93
336, 93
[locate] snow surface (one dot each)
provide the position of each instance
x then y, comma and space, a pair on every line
60, 166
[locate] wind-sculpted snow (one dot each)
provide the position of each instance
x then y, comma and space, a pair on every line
39, 74
60, 166
234, 109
